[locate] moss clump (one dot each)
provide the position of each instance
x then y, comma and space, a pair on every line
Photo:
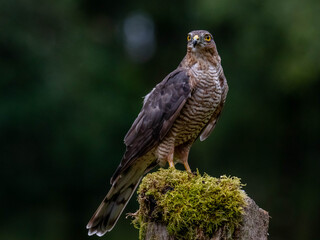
189, 204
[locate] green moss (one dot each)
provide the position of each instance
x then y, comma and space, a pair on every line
188, 204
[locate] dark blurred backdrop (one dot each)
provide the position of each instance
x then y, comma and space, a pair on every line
73, 74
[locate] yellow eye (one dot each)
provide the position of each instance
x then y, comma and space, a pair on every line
207, 37
189, 37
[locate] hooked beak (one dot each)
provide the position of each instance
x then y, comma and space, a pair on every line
195, 40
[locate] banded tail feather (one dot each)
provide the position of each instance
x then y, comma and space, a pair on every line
110, 209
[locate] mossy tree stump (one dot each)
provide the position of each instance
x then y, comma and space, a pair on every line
178, 205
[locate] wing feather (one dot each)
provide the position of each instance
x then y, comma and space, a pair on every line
160, 109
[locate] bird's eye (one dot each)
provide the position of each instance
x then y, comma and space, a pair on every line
189, 37
207, 38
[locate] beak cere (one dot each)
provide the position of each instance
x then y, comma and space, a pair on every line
195, 40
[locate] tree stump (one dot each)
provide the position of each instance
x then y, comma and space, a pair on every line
254, 226
178, 205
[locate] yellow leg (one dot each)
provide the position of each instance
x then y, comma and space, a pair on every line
182, 154
186, 166
170, 160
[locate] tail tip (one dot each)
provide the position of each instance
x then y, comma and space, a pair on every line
94, 231
89, 225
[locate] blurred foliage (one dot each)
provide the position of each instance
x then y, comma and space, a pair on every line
70, 91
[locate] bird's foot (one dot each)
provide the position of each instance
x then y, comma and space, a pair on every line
171, 164
186, 166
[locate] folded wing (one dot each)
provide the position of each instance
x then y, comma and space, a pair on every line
160, 109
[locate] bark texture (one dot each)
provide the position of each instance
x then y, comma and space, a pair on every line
254, 226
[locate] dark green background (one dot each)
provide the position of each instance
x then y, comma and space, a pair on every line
70, 91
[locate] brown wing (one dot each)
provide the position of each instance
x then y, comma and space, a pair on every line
160, 109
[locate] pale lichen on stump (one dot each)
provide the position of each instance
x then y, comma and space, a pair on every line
178, 205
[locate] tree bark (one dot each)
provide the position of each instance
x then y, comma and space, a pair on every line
254, 226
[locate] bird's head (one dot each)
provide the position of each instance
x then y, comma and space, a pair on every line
200, 41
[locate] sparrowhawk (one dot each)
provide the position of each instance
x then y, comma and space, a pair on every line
184, 106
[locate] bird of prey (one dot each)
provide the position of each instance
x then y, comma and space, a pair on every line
184, 106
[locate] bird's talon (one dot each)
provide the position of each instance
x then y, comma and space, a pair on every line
187, 167
171, 165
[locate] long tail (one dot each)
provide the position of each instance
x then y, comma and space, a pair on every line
109, 211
